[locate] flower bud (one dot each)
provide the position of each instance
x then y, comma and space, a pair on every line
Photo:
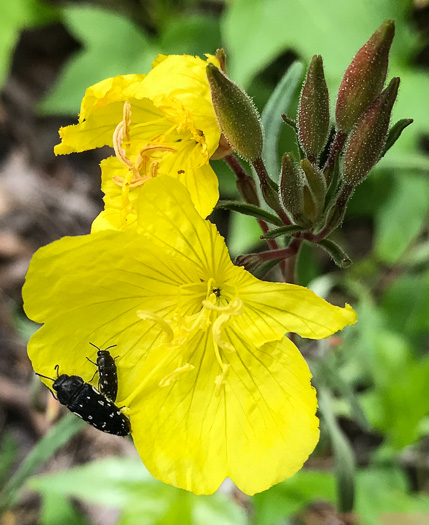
291, 190
335, 215
313, 112
237, 115
313, 192
270, 193
369, 136
364, 78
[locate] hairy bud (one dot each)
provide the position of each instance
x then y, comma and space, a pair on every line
236, 114
313, 112
369, 136
364, 78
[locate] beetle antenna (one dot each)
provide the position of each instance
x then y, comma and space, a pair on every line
46, 377
99, 349
57, 368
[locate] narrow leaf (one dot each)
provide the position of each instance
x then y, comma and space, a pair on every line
343, 453
279, 102
394, 133
58, 435
249, 209
338, 255
283, 230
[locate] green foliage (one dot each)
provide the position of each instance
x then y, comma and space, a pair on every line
56, 509
126, 485
279, 102
380, 491
401, 216
290, 496
16, 16
112, 45
60, 434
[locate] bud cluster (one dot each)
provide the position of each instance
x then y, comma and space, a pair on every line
313, 191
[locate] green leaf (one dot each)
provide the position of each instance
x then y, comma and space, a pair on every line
329, 371
394, 133
243, 234
282, 231
383, 496
124, 483
290, 496
112, 45
105, 482
56, 509
58, 435
249, 209
16, 16
279, 102
8, 452
401, 216
195, 35
266, 28
343, 453
406, 302
337, 254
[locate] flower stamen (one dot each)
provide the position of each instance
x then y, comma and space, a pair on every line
149, 316
173, 376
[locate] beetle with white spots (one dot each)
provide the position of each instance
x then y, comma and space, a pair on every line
89, 404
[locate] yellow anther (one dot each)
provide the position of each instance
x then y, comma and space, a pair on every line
149, 316
174, 376
220, 379
118, 137
154, 168
217, 332
233, 308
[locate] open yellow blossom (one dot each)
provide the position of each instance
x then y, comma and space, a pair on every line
213, 386
159, 124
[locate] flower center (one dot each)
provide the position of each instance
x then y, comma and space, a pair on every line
202, 306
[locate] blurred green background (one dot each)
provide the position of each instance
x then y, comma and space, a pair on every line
372, 463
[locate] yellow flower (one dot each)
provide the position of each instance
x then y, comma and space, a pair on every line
159, 124
213, 386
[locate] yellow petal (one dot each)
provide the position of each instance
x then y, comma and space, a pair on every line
181, 79
101, 111
90, 289
273, 309
168, 218
258, 429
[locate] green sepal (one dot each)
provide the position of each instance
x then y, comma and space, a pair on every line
334, 185
283, 230
337, 254
249, 209
394, 133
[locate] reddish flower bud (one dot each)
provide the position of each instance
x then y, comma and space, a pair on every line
369, 136
364, 78
237, 115
313, 112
